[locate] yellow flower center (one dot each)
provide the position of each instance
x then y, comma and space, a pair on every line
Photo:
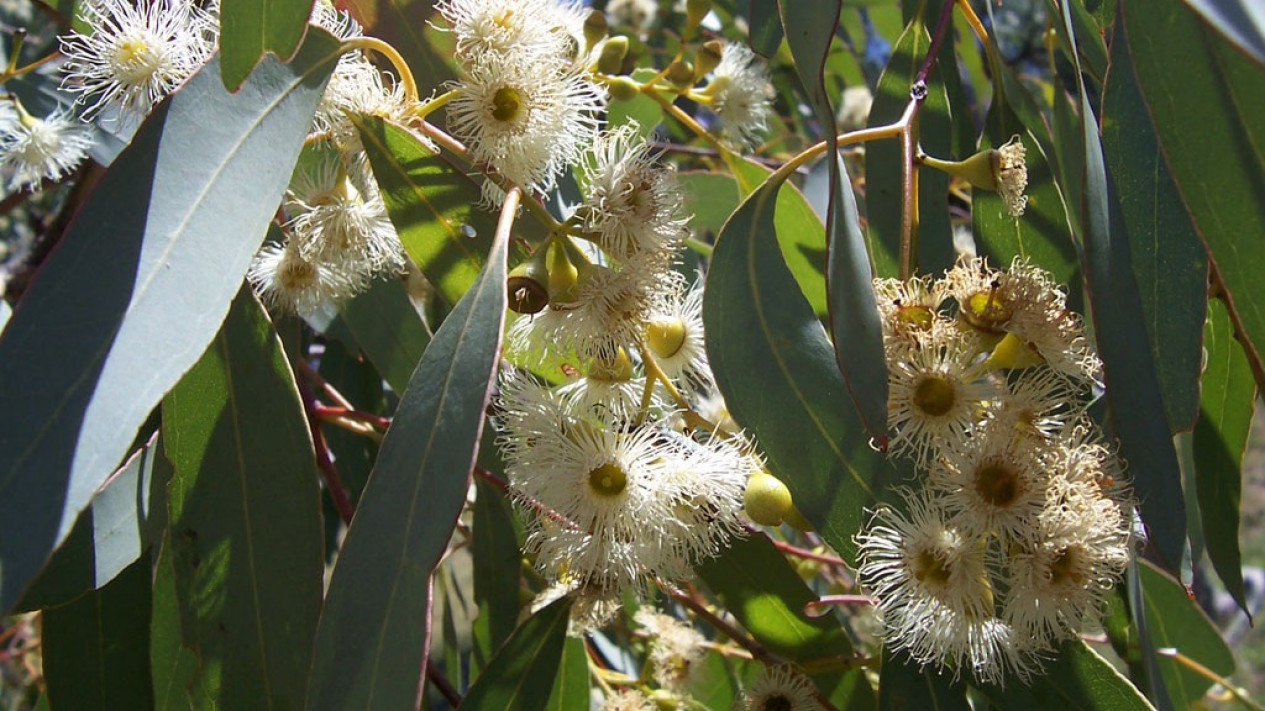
986, 311
931, 568
507, 104
608, 480
135, 60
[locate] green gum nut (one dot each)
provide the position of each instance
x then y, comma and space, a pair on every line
707, 58
623, 88
680, 73
528, 286
980, 170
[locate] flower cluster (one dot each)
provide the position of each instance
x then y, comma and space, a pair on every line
621, 479
337, 236
1021, 521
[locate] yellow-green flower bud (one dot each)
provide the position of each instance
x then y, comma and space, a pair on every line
707, 58
1012, 352
680, 73
695, 11
611, 59
623, 88
594, 29
563, 276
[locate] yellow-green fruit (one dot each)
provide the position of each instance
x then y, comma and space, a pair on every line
623, 88
680, 73
527, 287
611, 58
767, 500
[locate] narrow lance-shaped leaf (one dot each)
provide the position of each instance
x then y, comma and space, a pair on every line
373, 635
251, 28
388, 329
1169, 261
1176, 622
854, 320
1227, 402
95, 650
904, 686
434, 206
1205, 100
137, 288
1076, 679
777, 371
245, 512
522, 674
1133, 394
1240, 21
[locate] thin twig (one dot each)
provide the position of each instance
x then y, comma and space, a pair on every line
442, 685
334, 484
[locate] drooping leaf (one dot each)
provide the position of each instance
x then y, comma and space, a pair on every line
371, 643
245, 518
1240, 21
799, 231
251, 28
777, 371
434, 206
1169, 261
1133, 394
767, 597
1205, 100
108, 536
765, 26
883, 163
1176, 622
95, 649
903, 686
1075, 679
571, 685
522, 674
1227, 402
854, 320
388, 329
154, 257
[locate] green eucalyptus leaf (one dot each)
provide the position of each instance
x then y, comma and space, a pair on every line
777, 370
95, 649
1075, 679
1176, 623
904, 686
137, 288
1205, 100
523, 672
371, 642
107, 537
434, 206
799, 231
245, 517
1227, 403
1240, 21
571, 685
251, 28
767, 597
497, 580
1133, 393
765, 26
641, 108
1169, 261
389, 329
854, 319
710, 198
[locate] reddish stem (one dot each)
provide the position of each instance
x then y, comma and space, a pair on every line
349, 414
329, 472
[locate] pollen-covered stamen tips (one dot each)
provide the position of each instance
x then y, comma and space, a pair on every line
1021, 521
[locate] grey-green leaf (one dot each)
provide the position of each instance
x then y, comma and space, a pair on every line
245, 513
388, 329
95, 650
137, 288
1169, 261
371, 644
522, 674
1133, 393
777, 371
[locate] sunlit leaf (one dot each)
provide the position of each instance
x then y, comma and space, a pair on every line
251, 28
245, 518
522, 674
137, 288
